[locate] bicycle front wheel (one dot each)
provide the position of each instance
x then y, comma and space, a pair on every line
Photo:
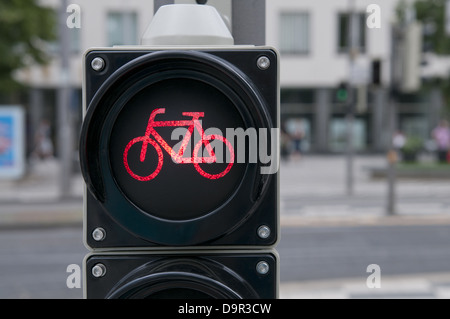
147, 140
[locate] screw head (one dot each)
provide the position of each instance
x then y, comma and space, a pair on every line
263, 63
99, 270
99, 234
262, 268
98, 64
263, 232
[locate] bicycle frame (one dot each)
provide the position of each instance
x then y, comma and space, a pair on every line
159, 142
178, 157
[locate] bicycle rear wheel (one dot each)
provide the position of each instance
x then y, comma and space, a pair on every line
198, 159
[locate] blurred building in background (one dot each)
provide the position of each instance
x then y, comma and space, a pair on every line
312, 37
103, 23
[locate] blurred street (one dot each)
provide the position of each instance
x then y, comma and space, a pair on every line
312, 190
327, 238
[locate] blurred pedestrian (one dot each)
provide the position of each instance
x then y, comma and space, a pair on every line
297, 138
441, 135
43, 142
399, 140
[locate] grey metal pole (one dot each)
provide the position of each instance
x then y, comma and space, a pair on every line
36, 111
64, 125
396, 39
321, 118
159, 3
249, 21
392, 161
350, 117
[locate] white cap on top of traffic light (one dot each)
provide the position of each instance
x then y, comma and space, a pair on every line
186, 24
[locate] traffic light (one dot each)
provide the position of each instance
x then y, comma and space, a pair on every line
342, 93
179, 153
376, 72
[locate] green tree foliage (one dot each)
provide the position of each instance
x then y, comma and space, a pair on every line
25, 28
432, 15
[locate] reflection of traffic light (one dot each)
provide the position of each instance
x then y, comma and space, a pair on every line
164, 175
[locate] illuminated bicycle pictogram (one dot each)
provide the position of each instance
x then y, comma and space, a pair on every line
178, 157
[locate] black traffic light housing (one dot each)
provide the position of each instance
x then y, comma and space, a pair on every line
376, 68
162, 275
232, 91
163, 216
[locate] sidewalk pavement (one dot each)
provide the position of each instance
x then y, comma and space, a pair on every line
312, 192
35, 200
417, 286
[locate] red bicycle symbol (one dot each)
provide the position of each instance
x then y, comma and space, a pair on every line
178, 157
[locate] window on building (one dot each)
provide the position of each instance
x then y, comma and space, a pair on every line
122, 28
344, 32
295, 33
